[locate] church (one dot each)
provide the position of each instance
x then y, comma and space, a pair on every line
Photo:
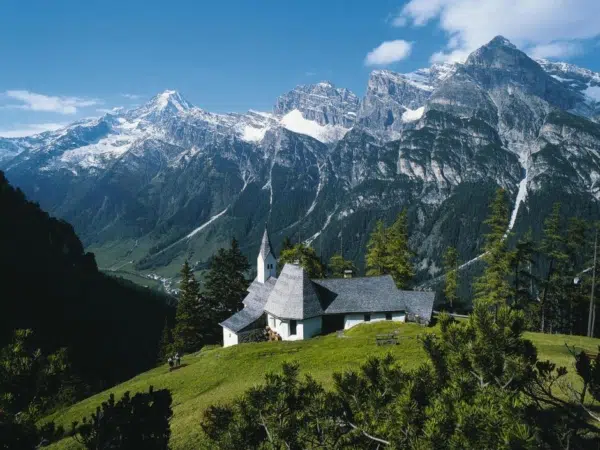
297, 307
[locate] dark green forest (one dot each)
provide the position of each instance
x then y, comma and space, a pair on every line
48, 284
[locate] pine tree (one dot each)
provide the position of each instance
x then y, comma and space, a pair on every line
306, 257
165, 344
399, 254
521, 262
377, 251
553, 247
188, 333
574, 306
337, 266
451, 279
493, 286
226, 283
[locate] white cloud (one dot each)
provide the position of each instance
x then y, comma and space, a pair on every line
556, 50
550, 27
131, 96
116, 109
30, 129
388, 52
40, 102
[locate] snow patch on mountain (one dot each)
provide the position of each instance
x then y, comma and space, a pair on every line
593, 92
251, 134
410, 115
295, 121
204, 225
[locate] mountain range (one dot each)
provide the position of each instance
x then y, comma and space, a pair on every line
149, 187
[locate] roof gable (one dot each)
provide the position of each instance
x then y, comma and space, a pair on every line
254, 304
294, 295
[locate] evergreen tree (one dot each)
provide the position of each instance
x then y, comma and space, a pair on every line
521, 262
306, 257
188, 330
166, 344
377, 251
574, 306
482, 387
553, 248
451, 278
493, 285
226, 284
399, 254
286, 244
337, 265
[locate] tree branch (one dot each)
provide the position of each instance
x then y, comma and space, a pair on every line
373, 438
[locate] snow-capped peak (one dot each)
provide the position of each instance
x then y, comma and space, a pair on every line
170, 98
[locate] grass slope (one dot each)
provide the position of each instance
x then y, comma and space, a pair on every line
219, 374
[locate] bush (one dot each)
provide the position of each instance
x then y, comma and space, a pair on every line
138, 422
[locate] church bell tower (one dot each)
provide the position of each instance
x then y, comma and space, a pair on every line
266, 263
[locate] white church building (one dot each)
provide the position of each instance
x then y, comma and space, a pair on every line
297, 307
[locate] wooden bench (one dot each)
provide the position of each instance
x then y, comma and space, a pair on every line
386, 339
590, 355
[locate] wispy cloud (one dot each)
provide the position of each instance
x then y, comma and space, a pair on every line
131, 96
32, 101
109, 110
30, 129
389, 52
310, 73
556, 50
541, 27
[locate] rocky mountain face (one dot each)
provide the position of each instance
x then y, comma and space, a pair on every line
150, 187
394, 100
322, 103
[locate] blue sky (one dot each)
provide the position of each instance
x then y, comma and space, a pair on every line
68, 59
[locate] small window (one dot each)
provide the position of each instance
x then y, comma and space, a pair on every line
388, 316
367, 317
292, 327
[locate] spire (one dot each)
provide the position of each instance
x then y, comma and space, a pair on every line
265, 246
266, 262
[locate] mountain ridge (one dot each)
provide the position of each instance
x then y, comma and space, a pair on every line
437, 141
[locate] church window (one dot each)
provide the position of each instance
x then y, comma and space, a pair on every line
293, 327
388, 316
367, 317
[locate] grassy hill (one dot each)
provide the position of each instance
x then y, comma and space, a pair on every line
220, 374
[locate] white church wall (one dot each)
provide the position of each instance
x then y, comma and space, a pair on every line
310, 327
279, 326
351, 320
305, 329
399, 317
229, 337
377, 317
266, 268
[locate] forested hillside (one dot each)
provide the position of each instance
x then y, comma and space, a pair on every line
110, 327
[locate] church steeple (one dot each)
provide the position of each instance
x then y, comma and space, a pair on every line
266, 263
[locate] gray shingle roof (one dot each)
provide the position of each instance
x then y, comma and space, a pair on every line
419, 303
360, 295
266, 247
294, 295
254, 305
